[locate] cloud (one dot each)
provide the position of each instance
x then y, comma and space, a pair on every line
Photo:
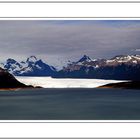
53, 40
137, 50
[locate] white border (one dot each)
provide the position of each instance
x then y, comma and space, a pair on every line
70, 1
69, 128
69, 10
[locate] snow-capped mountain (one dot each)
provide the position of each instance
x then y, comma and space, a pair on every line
119, 67
31, 67
97, 63
124, 59
12, 66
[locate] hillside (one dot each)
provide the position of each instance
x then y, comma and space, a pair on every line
8, 81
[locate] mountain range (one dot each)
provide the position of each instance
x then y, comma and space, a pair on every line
121, 67
31, 67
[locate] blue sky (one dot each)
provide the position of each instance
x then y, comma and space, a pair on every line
59, 40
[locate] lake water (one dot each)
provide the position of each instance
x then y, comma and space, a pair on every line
70, 104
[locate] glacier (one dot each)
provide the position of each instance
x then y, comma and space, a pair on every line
48, 82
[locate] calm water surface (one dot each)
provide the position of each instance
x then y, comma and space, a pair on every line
70, 104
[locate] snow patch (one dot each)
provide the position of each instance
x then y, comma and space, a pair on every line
109, 61
32, 59
135, 61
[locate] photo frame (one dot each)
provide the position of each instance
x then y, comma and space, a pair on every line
86, 129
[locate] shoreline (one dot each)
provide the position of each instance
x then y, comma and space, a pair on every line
20, 88
123, 85
120, 85
14, 89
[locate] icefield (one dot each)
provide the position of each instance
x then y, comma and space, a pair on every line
48, 82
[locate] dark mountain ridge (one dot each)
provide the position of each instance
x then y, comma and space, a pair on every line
7, 81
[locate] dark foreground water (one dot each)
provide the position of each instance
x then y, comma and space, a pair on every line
70, 104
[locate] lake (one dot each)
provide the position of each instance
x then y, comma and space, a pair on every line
70, 104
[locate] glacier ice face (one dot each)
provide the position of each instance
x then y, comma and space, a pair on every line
48, 82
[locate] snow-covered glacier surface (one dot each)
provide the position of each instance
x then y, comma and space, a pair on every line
48, 82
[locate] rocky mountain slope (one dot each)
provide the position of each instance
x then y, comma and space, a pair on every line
121, 67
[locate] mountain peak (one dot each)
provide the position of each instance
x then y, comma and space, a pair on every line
85, 58
9, 60
32, 59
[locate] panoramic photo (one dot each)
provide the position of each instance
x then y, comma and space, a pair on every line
70, 69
